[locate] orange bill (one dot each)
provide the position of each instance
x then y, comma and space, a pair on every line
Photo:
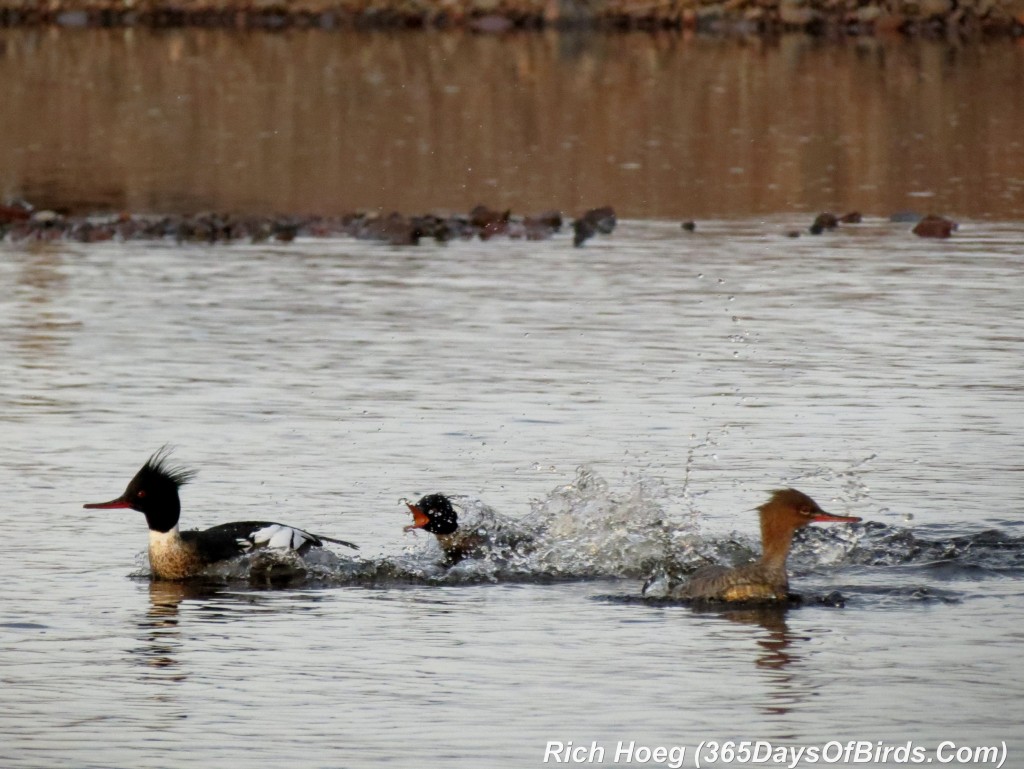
824, 517
419, 518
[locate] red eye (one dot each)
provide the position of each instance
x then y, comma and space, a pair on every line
140, 493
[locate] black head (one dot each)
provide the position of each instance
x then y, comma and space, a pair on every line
433, 513
154, 492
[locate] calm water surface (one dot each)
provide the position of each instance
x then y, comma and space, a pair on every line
659, 126
652, 381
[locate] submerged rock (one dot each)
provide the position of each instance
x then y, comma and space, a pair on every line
829, 221
21, 221
823, 221
15, 211
597, 220
933, 226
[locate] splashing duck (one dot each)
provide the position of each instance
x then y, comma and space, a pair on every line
487, 536
174, 554
765, 580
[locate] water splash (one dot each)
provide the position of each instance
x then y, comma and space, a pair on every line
586, 529
849, 479
589, 530
992, 550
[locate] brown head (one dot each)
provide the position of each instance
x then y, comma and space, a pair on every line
786, 511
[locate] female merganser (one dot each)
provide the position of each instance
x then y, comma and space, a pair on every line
434, 513
764, 580
175, 554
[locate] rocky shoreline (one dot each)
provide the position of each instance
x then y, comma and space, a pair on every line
823, 17
20, 222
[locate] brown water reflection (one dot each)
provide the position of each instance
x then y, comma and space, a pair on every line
659, 126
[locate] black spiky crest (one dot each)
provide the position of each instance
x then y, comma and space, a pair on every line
158, 468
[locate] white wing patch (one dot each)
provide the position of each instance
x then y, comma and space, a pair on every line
278, 537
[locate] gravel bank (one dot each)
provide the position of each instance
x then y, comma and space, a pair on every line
825, 17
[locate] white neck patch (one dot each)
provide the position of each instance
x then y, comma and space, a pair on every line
160, 541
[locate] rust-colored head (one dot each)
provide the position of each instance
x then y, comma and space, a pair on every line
786, 511
797, 509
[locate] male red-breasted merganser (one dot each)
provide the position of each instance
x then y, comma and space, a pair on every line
488, 534
175, 554
764, 580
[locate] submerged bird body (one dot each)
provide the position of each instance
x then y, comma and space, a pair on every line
181, 554
751, 582
765, 580
175, 554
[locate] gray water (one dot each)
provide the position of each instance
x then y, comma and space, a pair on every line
640, 395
